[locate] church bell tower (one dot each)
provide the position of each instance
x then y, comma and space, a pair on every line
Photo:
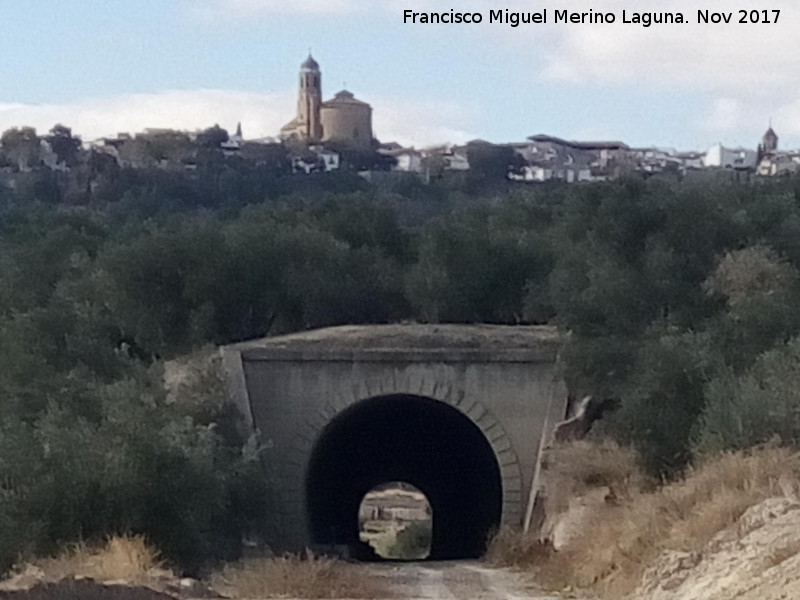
770, 141
310, 99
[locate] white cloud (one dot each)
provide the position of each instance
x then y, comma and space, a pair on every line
263, 114
412, 123
743, 121
422, 123
748, 70
726, 114
787, 119
236, 9
752, 59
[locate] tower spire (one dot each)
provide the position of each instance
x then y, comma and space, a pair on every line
310, 99
770, 140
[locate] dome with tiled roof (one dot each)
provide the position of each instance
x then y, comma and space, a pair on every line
310, 64
343, 97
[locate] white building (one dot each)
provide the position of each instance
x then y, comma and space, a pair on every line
691, 160
565, 173
779, 163
409, 161
316, 160
730, 158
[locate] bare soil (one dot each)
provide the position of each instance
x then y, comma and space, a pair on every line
84, 589
451, 580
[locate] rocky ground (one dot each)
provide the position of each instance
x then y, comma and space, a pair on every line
756, 559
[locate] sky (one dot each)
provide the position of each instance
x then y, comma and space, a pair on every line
108, 66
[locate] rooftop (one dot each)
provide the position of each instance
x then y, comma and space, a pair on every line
600, 145
344, 97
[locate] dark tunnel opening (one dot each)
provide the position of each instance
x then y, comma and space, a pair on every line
424, 442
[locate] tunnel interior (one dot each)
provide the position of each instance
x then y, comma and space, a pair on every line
414, 439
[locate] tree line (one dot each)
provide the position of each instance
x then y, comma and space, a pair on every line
679, 300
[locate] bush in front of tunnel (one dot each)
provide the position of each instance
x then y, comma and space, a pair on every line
142, 467
178, 481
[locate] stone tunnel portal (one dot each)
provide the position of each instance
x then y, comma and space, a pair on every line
415, 439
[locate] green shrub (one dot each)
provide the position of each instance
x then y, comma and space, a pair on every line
412, 542
664, 398
143, 467
755, 407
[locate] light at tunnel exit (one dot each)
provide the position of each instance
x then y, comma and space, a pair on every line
413, 439
395, 519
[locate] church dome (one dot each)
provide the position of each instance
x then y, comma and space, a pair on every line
310, 64
342, 98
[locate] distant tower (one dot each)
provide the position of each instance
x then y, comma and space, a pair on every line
343, 118
310, 100
769, 143
237, 137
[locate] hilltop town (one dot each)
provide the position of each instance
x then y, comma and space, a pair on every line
230, 347
337, 134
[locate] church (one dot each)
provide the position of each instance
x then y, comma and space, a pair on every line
343, 118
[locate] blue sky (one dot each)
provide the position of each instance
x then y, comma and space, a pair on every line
103, 66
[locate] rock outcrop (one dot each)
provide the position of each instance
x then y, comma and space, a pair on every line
758, 558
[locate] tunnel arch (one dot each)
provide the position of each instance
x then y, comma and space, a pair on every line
402, 437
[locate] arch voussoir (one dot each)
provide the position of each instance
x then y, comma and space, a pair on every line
401, 382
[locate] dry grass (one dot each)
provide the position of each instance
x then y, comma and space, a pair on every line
570, 469
309, 576
626, 537
509, 547
122, 558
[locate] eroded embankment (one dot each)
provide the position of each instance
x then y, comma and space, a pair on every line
730, 529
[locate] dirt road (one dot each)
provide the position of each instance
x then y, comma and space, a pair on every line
453, 580
461, 580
